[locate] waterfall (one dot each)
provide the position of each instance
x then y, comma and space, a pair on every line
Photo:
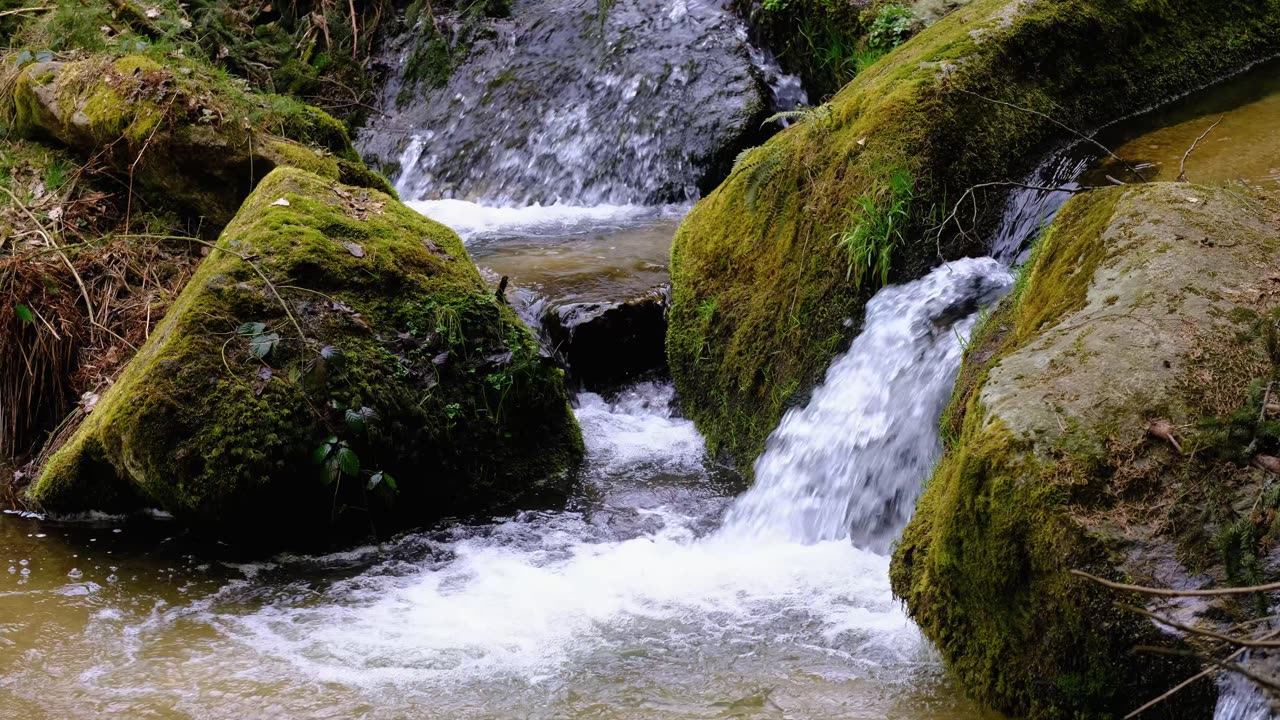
850, 464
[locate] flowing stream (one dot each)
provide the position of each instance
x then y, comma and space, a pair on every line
644, 601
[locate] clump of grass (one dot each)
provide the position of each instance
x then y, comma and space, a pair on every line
877, 225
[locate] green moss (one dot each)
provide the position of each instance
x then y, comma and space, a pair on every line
464, 413
767, 250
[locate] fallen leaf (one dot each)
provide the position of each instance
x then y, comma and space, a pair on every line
281, 202
354, 249
1268, 463
1164, 430
1193, 200
153, 13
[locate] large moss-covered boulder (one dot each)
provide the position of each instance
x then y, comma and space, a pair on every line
770, 271
179, 128
1107, 418
336, 358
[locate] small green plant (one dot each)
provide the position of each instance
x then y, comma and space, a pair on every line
261, 342
877, 226
774, 5
892, 26
336, 460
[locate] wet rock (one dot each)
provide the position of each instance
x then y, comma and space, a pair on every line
179, 130
1147, 313
607, 344
630, 101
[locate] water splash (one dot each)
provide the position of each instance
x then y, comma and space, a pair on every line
850, 464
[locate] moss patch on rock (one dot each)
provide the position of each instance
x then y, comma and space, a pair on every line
761, 293
1050, 466
332, 335
179, 128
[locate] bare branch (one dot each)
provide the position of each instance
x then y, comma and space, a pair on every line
1165, 592
1262, 680
1243, 642
1182, 167
1064, 126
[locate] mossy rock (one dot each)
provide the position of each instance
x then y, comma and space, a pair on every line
1140, 304
374, 344
181, 129
764, 296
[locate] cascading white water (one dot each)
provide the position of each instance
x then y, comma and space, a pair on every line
850, 463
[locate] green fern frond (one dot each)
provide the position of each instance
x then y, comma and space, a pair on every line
799, 115
762, 172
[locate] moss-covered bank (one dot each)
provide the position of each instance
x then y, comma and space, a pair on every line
179, 128
1141, 305
764, 291
334, 339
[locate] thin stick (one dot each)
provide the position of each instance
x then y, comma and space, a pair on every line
1243, 642
1186, 683
1165, 592
1262, 680
968, 194
1182, 167
20, 11
270, 285
1064, 126
84, 292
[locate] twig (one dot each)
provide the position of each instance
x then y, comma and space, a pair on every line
248, 261
1182, 167
84, 292
1243, 642
1189, 681
1262, 680
1165, 592
968, 194
1064, 126
20, 11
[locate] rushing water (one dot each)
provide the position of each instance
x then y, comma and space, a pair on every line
625, 101
641, 602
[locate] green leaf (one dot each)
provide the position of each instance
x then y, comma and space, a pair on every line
319, 454
390, 481
262, 345
374, 480
355, 421
24, 314
332, 470
23, 58
252, 328
348, 461
333, 355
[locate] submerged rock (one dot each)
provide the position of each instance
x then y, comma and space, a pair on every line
180, 130
336, 362
633, 101
767, 269
608, 344
1108, 418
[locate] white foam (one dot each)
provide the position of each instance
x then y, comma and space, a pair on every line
624, 434
471, 220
